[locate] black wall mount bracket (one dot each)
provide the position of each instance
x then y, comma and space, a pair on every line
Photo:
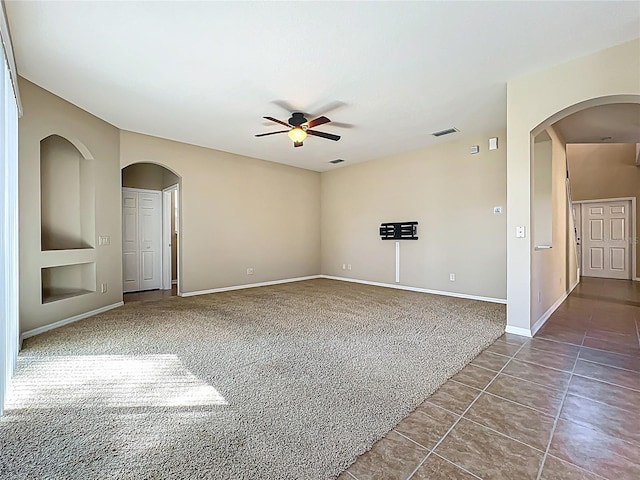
399, 231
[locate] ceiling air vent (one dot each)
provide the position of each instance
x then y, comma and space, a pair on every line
337, 160
445, 132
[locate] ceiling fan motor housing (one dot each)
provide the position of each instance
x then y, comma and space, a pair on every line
297, 119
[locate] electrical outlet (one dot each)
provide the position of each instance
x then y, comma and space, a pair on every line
249, 271
452, 277
344, 266
103, 288
348, 266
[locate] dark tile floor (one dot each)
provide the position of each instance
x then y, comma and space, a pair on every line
149, 295
564, 405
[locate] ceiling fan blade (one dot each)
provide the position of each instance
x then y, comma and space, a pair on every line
328, 136
286, 106
270, 133
277, 121
329, 107
318, 121
342, 125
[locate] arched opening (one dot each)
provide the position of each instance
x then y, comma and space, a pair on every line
585, 181
151, 212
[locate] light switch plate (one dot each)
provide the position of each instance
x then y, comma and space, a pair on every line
493, 143
497, 210
474, 149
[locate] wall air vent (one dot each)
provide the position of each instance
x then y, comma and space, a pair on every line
337, 160
445, 132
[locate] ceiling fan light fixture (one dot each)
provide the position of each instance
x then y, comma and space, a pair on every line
297, 135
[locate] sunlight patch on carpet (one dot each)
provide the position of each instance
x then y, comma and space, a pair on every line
108, 381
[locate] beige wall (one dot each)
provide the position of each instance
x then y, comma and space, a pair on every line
45, 115
237, 213
542, 202
148, 176
553, 271
533, 103
604, 171
450, 192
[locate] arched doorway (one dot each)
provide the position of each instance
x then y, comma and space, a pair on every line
150, 231
550, 268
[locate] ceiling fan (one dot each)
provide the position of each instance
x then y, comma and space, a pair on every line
299, 127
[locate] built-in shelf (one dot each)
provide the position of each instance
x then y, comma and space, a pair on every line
67, 281
54, 294
54, 258
67, 196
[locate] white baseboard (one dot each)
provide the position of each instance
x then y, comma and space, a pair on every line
523, 332
248, 285
66, 321
526, 332
417, 289
637, 279
546, 315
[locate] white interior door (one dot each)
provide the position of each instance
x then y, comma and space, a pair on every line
130, 244
141, 240
150, 221
605, 239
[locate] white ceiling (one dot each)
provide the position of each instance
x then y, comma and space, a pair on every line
390, 72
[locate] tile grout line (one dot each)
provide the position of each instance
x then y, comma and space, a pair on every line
601, 402
525, 361
517, 378
501, 398
567, 371
632, 357
577, 467
464, 412
431, 452
555, 422
504, 434
458, 466
412, 440
582, 375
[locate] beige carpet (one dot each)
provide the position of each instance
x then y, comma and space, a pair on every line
292, 381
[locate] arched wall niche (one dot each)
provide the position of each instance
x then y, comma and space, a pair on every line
67, 194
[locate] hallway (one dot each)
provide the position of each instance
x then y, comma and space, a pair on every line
563, 405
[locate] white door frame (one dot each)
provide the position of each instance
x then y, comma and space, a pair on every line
576, 208
166, 236
632, 229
